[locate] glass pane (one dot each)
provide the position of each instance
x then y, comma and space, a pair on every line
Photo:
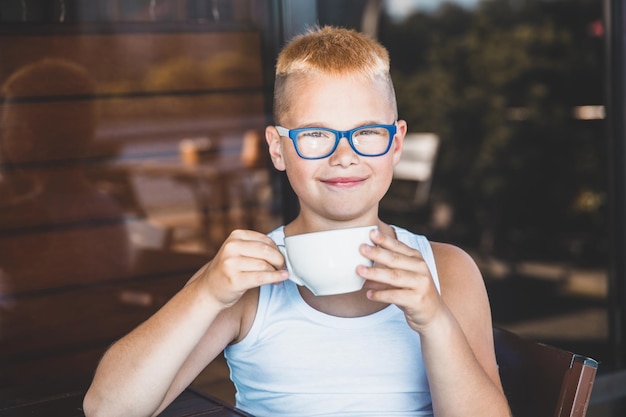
127, 155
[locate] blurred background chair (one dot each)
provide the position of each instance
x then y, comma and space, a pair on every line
541, 380
412, 177
417, 163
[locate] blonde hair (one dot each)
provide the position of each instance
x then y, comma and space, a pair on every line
329, 51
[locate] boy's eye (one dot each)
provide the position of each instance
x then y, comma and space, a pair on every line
370, 132
316, 134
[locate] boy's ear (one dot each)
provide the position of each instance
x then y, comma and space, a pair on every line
275, 149
396, 147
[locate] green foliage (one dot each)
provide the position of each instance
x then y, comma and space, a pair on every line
499, 85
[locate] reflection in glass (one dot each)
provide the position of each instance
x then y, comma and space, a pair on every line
101, 219
56, 227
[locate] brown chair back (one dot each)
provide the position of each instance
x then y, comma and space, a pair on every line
541, 380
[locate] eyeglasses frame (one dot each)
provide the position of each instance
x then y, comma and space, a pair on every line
339, 134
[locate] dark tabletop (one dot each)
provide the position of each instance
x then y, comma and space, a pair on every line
190, 403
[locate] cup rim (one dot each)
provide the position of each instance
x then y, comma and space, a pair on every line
331, 230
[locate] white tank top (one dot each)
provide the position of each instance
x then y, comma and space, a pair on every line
297, 361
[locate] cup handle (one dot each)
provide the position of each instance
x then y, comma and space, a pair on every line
292, 276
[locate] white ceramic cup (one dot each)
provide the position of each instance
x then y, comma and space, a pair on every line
325, 262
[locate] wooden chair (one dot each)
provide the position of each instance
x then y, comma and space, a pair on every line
541, 380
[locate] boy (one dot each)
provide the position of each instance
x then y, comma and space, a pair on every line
415, 341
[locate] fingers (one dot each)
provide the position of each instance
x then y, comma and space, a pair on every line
398, 297
255, 245
246, 260
390, 253
399, 275
381, 277
391, 243
257, 279
250, 264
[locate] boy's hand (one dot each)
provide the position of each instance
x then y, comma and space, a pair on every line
247, 259
400, 276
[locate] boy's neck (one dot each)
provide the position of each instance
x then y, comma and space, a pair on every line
301, 225
350, 305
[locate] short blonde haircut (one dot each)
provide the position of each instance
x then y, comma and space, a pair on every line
329, 51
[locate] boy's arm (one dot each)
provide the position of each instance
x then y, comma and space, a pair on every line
465, 369
455, 327
144, 371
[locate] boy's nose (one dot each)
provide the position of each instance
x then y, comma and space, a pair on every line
344, 154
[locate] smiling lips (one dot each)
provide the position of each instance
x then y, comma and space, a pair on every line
344, 182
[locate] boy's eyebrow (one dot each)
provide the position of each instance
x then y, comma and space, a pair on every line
364, 123
313, 124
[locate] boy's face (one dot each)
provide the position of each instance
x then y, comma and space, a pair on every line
343, 187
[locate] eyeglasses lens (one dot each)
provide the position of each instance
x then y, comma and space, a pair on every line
371, 140
315, 143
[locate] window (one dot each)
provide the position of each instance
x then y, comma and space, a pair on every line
131, 144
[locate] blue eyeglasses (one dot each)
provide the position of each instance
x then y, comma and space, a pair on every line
320, 142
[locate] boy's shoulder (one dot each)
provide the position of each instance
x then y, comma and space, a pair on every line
451, 253
457, 271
